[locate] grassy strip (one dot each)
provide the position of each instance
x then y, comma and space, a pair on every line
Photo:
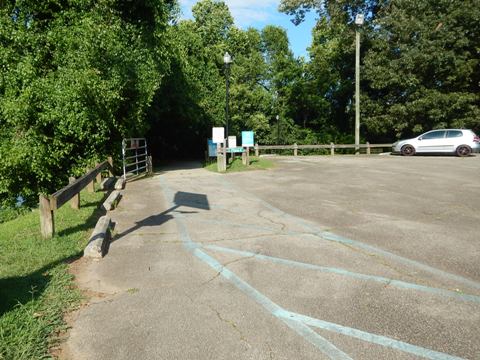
36, 288
256, 163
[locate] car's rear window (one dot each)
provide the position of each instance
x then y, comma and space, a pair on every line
454, 134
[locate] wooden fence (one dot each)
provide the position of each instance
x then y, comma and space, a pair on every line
49, 204
332, 147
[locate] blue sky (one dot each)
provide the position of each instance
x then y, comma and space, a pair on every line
259, 13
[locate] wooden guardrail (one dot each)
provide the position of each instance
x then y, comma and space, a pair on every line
49, 204
332, 147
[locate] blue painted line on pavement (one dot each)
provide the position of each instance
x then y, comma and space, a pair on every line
340, 239
343, 272
300, 328
371, 338
297, 322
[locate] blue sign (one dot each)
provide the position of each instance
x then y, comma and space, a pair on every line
212, 148
247, 138
235, 150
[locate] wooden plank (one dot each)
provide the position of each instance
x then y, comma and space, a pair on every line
275, 147
381, 145
47, 221
319, 146
314, 146
69, 191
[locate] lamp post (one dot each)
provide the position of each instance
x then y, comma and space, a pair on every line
227, 60
278, 129
359, 22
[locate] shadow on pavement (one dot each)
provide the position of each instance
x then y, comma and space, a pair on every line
191, 200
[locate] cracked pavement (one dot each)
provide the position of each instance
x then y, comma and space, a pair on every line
183, 309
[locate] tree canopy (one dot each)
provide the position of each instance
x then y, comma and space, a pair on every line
80, 75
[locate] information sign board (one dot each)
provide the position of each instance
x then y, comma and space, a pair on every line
247, 138
232, 141
212, 148
218, 135
236, 150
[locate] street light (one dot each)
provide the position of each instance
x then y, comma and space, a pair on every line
278, 129
359, 19
227, 60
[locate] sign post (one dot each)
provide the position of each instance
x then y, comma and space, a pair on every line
218, 138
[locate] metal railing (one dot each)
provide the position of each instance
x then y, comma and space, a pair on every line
135, 157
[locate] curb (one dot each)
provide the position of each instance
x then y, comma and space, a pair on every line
112, 201
120, 184
107, 183
99, 239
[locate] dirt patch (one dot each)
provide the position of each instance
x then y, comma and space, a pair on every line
78, 268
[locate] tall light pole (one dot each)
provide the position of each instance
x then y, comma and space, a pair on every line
227, 60
278, 129
359, 22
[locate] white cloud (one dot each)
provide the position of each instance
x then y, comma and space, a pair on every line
245, 12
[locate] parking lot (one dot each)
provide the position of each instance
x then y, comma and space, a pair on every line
425, 207
319, 258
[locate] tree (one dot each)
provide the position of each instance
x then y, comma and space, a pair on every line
423, 67
328, 79
77, 76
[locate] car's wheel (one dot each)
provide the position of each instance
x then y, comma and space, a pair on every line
464, 150
408, 150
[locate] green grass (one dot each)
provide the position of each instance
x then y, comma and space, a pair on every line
256, 163
36, 288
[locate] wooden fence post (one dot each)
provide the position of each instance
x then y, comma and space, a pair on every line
248, 156
99, 175
257, 152
91, 185
47, 222
295, 149
221, 161
368, 148
332, 149
225, 155
75, 202
150, 165
110, 161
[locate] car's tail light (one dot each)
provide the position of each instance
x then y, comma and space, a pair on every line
476, 139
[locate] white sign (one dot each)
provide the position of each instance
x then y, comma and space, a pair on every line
218, 135
232, 141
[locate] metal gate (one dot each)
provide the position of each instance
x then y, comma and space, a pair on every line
135, 157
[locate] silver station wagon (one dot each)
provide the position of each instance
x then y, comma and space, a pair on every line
453, 141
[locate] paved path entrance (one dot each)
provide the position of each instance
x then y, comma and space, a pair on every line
202, 269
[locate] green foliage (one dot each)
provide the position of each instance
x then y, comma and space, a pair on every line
36, 288
423, 67
77, 76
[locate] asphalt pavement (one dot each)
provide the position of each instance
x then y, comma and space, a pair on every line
319, 258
